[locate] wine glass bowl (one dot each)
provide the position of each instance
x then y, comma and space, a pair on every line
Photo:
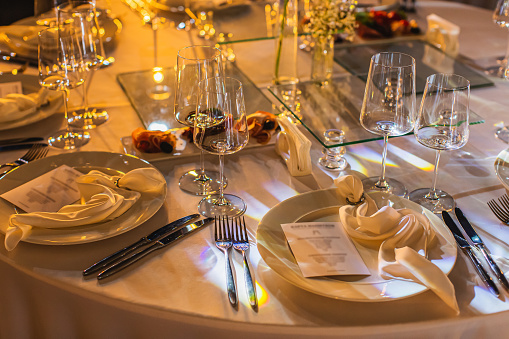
388, 108
442, 124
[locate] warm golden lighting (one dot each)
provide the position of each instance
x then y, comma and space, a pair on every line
158, 74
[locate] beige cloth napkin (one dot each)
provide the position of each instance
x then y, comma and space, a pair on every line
443, 34
294, 148
16, 106
101, 200
402, 237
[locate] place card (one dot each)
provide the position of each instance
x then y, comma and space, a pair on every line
323, 249
48, 192
10, 87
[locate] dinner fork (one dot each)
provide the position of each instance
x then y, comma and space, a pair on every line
241, 244
501, 209
222, 231
35, 152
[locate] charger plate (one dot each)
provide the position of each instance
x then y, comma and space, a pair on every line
110, 163
323, 205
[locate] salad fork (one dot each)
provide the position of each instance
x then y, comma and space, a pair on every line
241, 244
35, 152
501, 209
223, 238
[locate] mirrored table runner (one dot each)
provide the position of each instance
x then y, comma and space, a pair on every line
334, 106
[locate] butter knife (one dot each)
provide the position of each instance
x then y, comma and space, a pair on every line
179, 234
477, 241
465, 247
159, 233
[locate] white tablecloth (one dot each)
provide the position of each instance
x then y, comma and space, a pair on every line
179, 292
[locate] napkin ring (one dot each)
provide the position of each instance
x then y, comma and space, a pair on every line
361, 200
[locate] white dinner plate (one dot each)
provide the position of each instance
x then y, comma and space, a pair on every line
30, 84
502, 168
109, 163
323, 205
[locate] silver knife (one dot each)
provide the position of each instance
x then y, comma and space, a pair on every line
14, 141
477, 241
159, 233
465, 247
179, 234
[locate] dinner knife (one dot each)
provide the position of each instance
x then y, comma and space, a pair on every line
19, 146
179, 234
14, 141
477, 241
159, 233
465, 247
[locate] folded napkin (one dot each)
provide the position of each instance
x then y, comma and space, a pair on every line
402, 237
16, 106
293, 147
443, 34
103, 198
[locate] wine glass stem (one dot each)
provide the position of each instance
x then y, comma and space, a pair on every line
433, 192
505, 63
202, 177
66, 110
382, 183
221, 200
155, 25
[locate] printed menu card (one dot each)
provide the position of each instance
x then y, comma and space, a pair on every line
323, 249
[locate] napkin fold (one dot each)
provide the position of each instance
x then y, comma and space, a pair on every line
15, 106
103, 198
443, 34
402, 237
293, 147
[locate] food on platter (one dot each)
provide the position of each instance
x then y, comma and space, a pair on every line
261, 126
154, 141
383, 24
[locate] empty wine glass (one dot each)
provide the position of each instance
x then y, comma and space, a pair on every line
501, 19
220, 127
388, 108
82, 16
195, 64
442, 124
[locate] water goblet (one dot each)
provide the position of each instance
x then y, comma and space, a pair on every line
388, 108
220, 127
442, 124
61, 68
195, 64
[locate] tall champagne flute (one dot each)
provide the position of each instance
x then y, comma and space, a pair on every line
220, 127
195, 64
82, 16
61, 68
442, 124
388, 108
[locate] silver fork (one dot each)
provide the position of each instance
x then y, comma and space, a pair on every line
500, 209
35, 152
241, 244
222, 232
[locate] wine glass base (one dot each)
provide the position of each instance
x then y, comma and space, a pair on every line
191, 182
88, 119
503, 134
69, 139
393, 186
233, 207
159, 92
444, 202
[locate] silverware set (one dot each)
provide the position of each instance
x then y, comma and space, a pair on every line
228, 233
37, 151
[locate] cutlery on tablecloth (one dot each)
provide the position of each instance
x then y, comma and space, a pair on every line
223, 238
501, 210
241, 244
158, 244
19, 146
17, 141
477, 241
35, 152
148, 239
467, 249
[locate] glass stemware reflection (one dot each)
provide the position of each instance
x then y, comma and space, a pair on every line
442, 124
82, 16
195, 64
388, 108
221, 128
61, 68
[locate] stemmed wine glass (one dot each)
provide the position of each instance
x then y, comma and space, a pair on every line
61, 68
82, 16
388, 108
501, 18
442, 124
220, 127
195, 64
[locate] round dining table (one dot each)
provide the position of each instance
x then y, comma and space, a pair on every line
179, 292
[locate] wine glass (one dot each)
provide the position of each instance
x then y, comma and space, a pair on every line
388, 108
220, 127
501, 18
195, 64
442, 124
61, 68
82, 16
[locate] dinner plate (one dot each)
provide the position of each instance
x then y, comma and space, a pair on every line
323, 205
502, 168
110, 163
30, 84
